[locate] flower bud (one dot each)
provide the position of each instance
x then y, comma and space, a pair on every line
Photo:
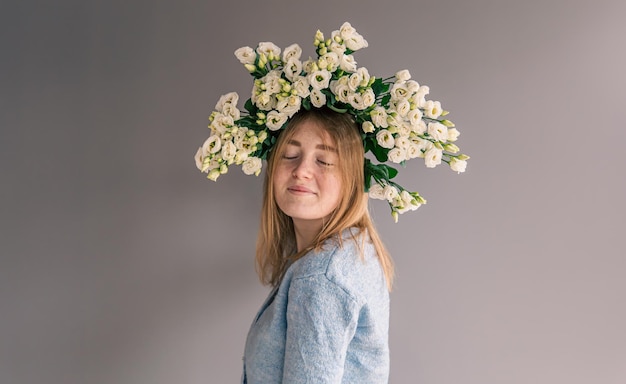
213, 174
447, 123
450, 147
319, 38
250, 67
462, 157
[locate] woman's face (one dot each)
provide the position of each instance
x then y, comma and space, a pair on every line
307, 182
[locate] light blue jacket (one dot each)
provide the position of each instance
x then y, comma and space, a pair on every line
326, 322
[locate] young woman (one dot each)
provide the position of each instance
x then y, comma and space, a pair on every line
326, 320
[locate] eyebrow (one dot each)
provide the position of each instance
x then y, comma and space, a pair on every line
319, 146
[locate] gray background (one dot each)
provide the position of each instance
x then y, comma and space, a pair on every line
121, 263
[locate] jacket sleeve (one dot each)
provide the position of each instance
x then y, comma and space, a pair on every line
321, 321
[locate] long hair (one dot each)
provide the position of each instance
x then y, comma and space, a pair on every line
276, 242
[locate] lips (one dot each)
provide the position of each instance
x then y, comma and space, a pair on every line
299, 189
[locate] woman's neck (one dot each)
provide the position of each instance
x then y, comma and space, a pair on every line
306, 231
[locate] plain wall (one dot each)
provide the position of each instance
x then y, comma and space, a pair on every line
120, 263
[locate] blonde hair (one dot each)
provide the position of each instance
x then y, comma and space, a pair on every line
276, 243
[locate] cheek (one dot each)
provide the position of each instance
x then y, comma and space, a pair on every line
334, 188
281, 174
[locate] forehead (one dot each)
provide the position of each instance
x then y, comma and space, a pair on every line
310, 131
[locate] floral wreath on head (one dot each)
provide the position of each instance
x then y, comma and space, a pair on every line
397, 121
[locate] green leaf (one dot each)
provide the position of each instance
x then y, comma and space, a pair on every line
250, 107
385, 100
379, 87
391, 171
380, 152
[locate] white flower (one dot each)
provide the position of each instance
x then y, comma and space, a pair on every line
422, 145
289, 105
337, 48
356, 101
252, 165
402, 142
239, 133
354, 80
397, 155
367, 127
331, 60
377, 192
221, 122
265, 101
458, 165
453, 134
360, 78
438, 131
320, 79
351, 38
230, 98
341, 89
292, 52
292, 68
419, 127
346, 30
232, 111
432, 109
240, 156
301, 86
318, 99
379, 117
409, 203
419, 97
414, 116
310, 66
199, 157
269, 49
404, 129
228, 151
275, 120
399, 91
432, 157
403, 75
412, 86
347, 63
369, 98
365, 76
394, 121
413, 151
271, 81
385, 139
246, 55
390, 192
403, 107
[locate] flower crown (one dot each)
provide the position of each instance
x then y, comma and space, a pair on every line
398, 123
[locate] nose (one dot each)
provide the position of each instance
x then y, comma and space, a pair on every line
302, 169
